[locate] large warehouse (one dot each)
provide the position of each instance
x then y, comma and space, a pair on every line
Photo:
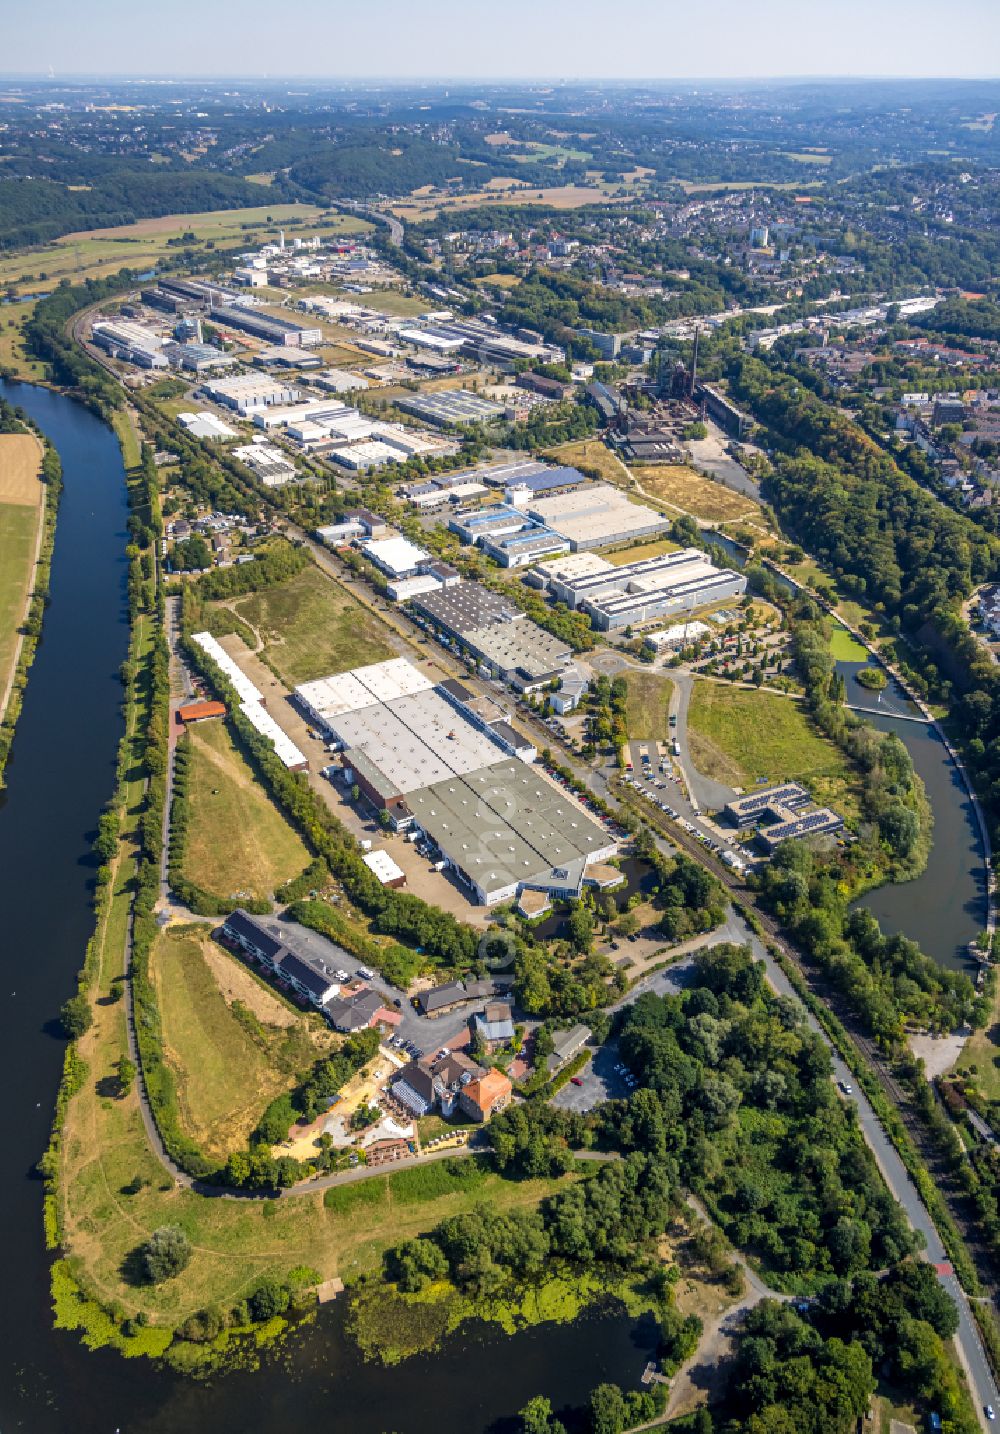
416, 754
596, 516
634, 593
503, 641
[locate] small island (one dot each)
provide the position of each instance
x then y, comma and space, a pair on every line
873, 678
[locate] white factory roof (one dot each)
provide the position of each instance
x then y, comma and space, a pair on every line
383, 866
405, 588
205, 425
366, 455
342, 692
598, 511
265, 724
572, 566
339, 380
329, 697
244, 688
247, 385
317, 410
397, 556
415, 741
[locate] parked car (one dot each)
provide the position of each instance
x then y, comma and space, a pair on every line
575, 1080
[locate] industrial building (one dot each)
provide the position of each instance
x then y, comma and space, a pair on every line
248, 393
431, 757
521, 488
465, 608
130, 342
267, 463
397, 557
205, 425
198, 358
596, 516
450, 406
269, 327
633, 593
507, 827
781, 813
482, 340
251, 702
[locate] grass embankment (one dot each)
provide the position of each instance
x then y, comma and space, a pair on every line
311, 627
21, 497
592, 457
682, 488
231, 1044
237, 842
641, 552
742, 737
646, 713
30, 485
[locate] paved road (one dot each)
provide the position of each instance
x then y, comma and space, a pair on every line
707, 792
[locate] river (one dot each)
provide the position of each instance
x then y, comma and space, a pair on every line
945, 907
60, 773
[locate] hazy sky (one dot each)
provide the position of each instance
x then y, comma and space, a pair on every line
504, 38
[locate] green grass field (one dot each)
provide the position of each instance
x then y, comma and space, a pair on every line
12, 355
225, 1076
18, 529
844, 647
640, 552
311, 627
648, 700
238, 841
741, 737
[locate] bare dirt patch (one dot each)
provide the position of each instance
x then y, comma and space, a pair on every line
237, 984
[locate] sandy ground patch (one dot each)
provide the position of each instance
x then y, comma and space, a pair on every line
939, 1053
20, 456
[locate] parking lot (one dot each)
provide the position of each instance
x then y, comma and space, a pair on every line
658, 782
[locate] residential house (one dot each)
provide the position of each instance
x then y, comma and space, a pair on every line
485, 1097
494, 1026
567, 1045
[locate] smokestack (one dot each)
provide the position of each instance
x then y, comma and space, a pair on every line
694, 359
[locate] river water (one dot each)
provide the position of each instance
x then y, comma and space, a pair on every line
945, 907
60, 773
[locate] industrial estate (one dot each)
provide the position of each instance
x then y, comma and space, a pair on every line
550, 858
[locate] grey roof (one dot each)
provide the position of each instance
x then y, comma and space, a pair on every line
354, 1012
305, 973
242, 924
508, 825
465, 607
520, 647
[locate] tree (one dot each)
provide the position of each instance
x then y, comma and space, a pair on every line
165, 1254
537, 1418
76, 1016
581, 927
270, 1298
126, 1074
608, 1411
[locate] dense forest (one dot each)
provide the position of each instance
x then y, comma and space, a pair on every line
33, 211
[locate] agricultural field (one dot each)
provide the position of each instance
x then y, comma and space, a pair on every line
420, 205
230, 1054
742, 737
238, 843
94, 253
310, 627
21, 494
684, 489
648, 703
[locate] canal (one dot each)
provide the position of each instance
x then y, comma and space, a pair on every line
60, 773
